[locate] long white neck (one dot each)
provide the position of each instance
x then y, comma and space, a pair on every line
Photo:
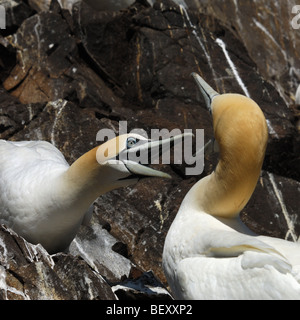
83, 179
86, 180
225, 192
72, 192
66, 198
241, 131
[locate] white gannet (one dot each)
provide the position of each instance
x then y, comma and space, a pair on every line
45, 200
209, 253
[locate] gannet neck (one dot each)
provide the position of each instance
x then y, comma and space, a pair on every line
241, 131
86, 179
52, 199
208, 252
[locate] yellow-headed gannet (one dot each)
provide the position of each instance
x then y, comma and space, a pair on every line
208, 252
45, 200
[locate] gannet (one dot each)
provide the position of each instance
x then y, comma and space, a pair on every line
208, 252
45, 200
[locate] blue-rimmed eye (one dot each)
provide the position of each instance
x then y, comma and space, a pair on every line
131, 142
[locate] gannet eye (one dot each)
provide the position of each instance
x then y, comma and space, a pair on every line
131, 142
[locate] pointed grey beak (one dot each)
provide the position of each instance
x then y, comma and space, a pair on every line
140, 171
207, 91
148, 150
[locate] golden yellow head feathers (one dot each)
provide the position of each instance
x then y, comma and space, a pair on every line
241, 132
240, 129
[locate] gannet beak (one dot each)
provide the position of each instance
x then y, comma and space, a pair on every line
151, 149
139, 171
207, 91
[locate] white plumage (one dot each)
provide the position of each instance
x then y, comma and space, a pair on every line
45, 200
209, 253
30, 193
206, 258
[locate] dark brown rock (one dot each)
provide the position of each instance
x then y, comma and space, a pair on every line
145, 287
158, 63
29, 272
16, 12
265, 28
274, 208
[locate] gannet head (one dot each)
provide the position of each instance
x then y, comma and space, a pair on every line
239, 124
126, 157
117, 163
241, 132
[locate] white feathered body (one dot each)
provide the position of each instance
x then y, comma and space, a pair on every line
209, 258
33, 198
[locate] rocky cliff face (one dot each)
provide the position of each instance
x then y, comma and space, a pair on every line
270, 33
66, 76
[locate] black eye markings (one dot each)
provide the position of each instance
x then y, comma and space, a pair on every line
131, 141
